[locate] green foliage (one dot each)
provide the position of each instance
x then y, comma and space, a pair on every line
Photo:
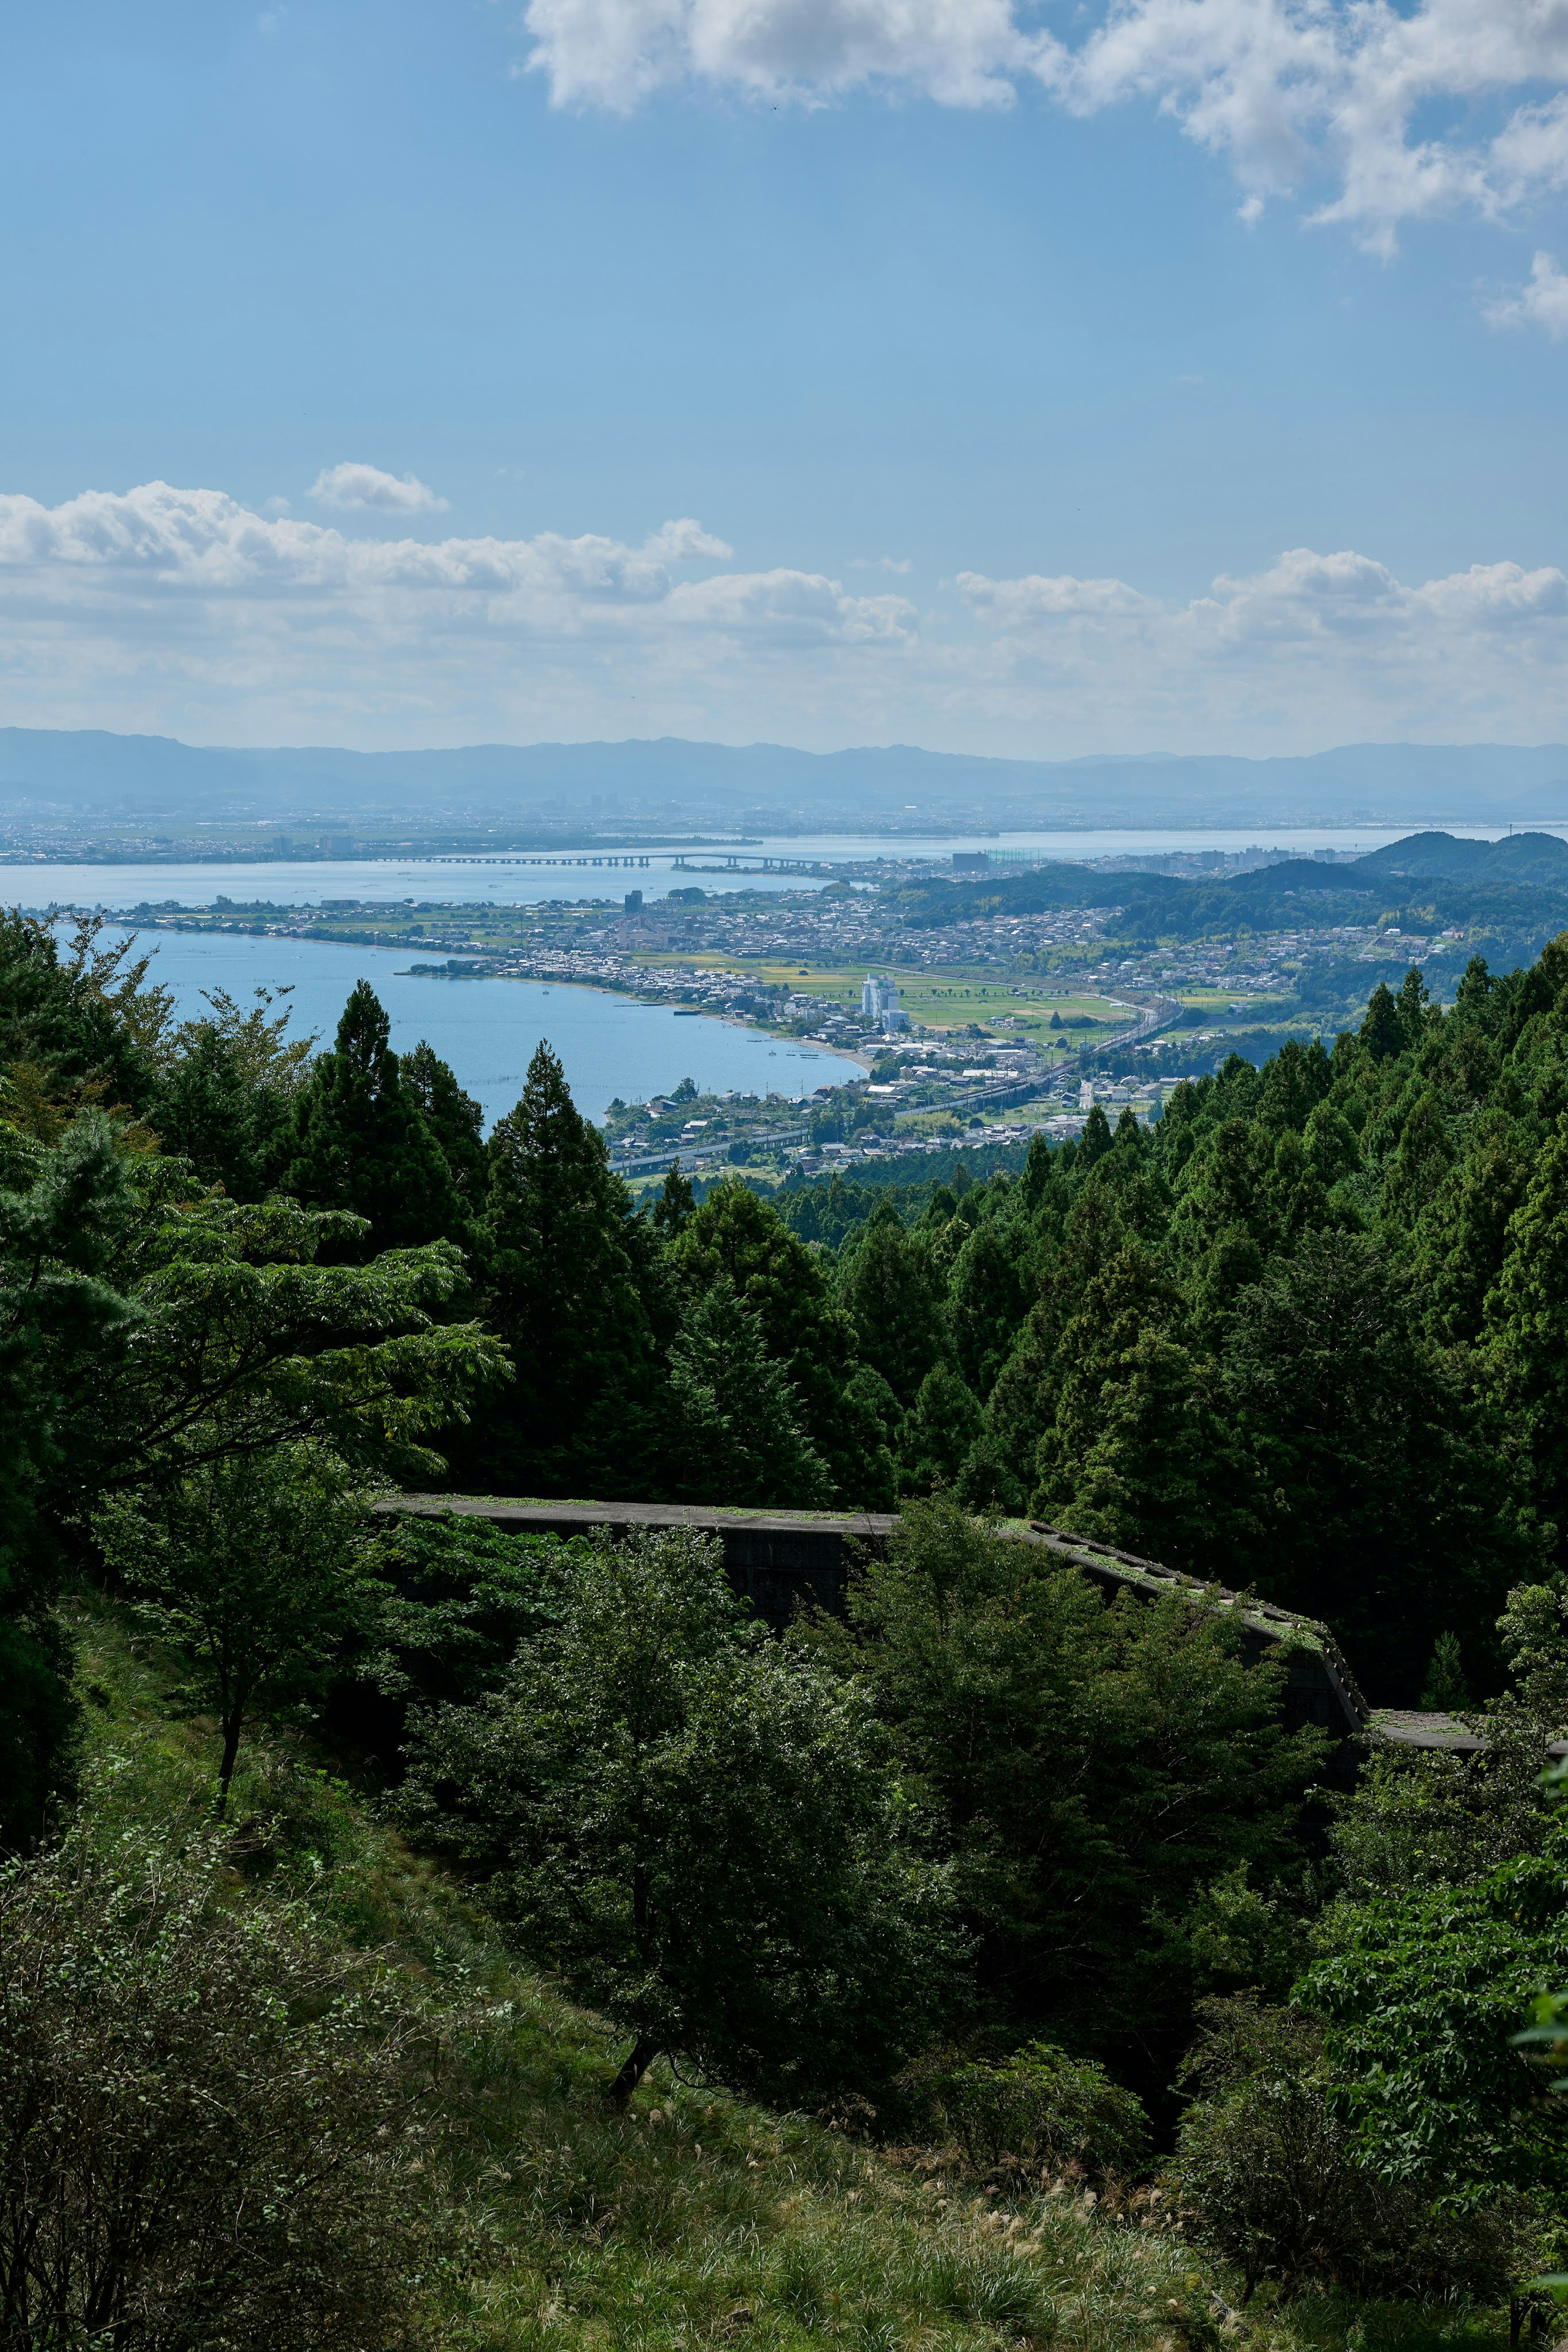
695, 1831
1043, 2108
358, 1139
1094, 1770
250, 1566
145, 1335
88, 1026
454, 1118
735, 1235
206, 2136
1380, 1494
455, 1596
1267, 2174
1420, 1819
737, 1433
937, 1433
225, 1097
893, 1295
1419, 1991
1445, 1689
562, 1287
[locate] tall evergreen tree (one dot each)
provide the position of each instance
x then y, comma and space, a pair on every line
1385, 1509
561, 1290
739, 1235
892, 1290
938, 1431
1383, 1032
1526, 1340
988, 1299
454, 1117
738, 1437
359, 1140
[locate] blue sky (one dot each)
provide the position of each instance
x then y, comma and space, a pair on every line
944, 322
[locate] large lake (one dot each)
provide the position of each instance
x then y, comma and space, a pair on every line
487, 1029
512, 881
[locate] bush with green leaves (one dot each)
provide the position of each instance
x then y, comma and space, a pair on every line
457, 1595
1042, 2109
210, 2139
1418, 1993
697, 1830
148, 1335
1268, 2175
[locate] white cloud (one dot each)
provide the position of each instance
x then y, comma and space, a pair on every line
1019, 604
351, 486
685, 541
183, 612
1377, 110
1542, 302
792, 607
901, 565
613, 53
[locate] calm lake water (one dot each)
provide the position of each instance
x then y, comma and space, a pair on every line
487, 1029
509, 882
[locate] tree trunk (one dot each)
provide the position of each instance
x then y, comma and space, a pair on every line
234, 1723
643, 2053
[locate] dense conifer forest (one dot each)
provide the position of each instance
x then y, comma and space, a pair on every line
416, 1933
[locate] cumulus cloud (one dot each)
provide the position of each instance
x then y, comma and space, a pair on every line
1543, 301
148, 604
1378, 111
177, 610
349, 485
685, 541
1019, 604
614, 53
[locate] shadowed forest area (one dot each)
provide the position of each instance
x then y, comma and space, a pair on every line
419, 1933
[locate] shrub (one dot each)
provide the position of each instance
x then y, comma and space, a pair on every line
1266, 2175
1042, 2108
205, 2143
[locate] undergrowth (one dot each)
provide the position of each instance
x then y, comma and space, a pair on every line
695, 2218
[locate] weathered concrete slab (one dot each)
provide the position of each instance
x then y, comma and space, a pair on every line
780, 1559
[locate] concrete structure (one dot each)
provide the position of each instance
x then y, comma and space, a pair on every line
782, 1560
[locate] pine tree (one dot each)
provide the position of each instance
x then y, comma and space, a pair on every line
358, 1139
1526, 1340
675, 1205
1382, 1032
737, 1433
562, 1291
892, 1290
1162, 1475
739, 1235
987, 1300
1095, 1139
454, 1117
937, 1432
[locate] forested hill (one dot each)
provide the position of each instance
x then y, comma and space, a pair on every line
988, 1860
1309, 1334
1516, 890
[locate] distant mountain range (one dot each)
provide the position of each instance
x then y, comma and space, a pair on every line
150, 777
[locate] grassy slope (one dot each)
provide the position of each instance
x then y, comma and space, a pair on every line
697, 2219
